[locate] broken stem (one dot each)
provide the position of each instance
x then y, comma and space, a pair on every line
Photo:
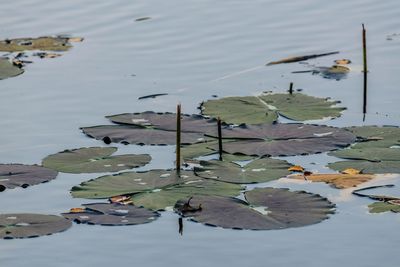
178, 139
365, 68
219, 139
291, 88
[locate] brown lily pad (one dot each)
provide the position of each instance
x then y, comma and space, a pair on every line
19, 175
264, 209
337, 180
112, 214
27, 225
47, 43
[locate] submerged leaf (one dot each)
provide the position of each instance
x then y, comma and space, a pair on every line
93, 159
265, 209
379, 207
8, 69
18, 175
257, 171
112, 214
265, 108
26, 225
337, 180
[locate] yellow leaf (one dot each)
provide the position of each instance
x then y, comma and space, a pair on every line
351, 171
75, 39
76, 210
125, 200
343, 61
296, 168
338, 180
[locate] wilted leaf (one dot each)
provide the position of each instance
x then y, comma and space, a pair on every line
112, 214
351, 171
93, 159
337, 180
26, 225
18, 175
343, 61
296, 168
8, 70
300, 58
265, 209
265, 108
257, 171
42, 43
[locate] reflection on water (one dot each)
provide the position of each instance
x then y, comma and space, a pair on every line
191, 51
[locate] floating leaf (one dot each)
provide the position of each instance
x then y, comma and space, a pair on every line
378, 207
257, 171
338, 180
351, 171
376, 137
129, 183
112, 214
367, 166
26, 225
137, 135
343, 61
161, 199
265, 108
285, 139
18, 175
265, 209
93, 159
296, 168
167, 121
42, 43
301, 58
8, 69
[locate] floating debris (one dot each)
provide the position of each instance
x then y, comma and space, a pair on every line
300, 58
151, 96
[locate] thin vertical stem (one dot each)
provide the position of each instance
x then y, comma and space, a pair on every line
364, 39
219, 139
178, 138
291, 88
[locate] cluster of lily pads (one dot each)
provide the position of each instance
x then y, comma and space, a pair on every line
212, 192
12, 64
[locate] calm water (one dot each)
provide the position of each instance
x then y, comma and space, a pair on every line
192, 50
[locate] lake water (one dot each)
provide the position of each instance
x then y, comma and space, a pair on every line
192, 50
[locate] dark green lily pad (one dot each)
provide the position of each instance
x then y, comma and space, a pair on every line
47, 43
112, 214
167, 121
127, 134
379, 207
257, 171
26, 225
19, 175
376, 151
161, 199
285, 139
265, 108
8, 70
93, 159
265, 209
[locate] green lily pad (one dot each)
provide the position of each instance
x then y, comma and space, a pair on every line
376, 137
93, 159
265, 108
257, 171
284, 139
128, 183
19, 175
8, 70
128, 134
376, 151
264, 209
47, 43
379, 207
165, 198
26, 225
112, 214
